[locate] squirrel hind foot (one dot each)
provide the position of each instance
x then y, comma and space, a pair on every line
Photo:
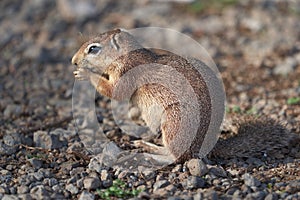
150, 147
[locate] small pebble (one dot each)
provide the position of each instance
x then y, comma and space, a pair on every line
72, 189
194, 182
250, 181
85, 195
197, 167
256, 195
160, 184
91, 183
36, 163
271, 196
22, 189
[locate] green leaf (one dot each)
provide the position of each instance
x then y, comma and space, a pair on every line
118, 189
236, 109
293, 100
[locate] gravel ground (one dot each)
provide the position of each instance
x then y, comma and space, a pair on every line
255, 44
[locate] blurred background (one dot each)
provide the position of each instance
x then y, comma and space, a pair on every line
255, 44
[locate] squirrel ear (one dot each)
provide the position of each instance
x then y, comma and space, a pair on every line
114, 41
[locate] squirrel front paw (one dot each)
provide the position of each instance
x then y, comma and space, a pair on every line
80, 74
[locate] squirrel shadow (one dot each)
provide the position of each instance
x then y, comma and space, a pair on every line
256, 140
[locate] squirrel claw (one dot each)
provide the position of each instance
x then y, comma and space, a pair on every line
80, 74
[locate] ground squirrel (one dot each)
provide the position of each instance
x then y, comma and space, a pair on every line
106, 58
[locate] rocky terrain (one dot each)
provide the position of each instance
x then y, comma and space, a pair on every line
254, 43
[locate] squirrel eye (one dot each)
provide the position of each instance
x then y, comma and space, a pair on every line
94, 49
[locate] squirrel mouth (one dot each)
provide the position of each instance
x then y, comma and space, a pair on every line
105, 75
93, 70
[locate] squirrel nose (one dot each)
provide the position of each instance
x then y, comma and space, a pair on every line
74, 60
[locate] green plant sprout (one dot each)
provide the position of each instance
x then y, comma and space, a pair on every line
118, 189
293, 100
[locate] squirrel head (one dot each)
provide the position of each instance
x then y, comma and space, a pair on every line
96, 59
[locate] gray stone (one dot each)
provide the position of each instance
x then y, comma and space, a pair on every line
12, 110
194, 182
10, 197
57, 189
13, 190
286, 67
271, 196
48, 141
52, 182
72, 179
7, 150
10, 167
172, 176
57, 196
79, 183
197, 167
149, 174
63, 134
260, 195
292, 196
198, 196
5, 177
72, 189
22, 189
237, 194
9, 144
161, 192
91, 183
40, 192
76, 146
107, 183
250, 181
255, 161
174, 198
27, 140
283, 195
5, 172
293, 186
85, 195
104, 175
171, 188
177, 168
96, 164
245, 189
3, 190
35, 163
25, 196
218, 172
38, 176
160, 184
210, 194
12, 139
231, 191
107, 158
46, 172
